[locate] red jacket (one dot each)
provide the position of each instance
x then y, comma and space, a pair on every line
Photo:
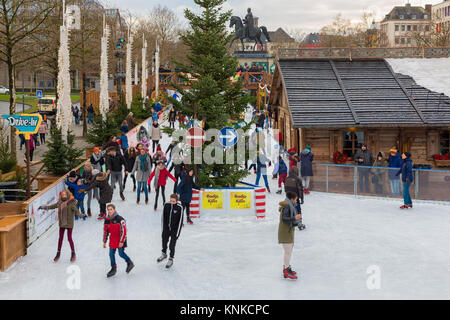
116, 227
163, 174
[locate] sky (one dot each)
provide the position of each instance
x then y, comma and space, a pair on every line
306, 15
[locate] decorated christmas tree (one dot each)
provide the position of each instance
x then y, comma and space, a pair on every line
213, 97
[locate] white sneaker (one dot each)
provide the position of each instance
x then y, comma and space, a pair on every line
162, 258
169, 263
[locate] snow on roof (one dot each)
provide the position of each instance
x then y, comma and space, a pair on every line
433, 74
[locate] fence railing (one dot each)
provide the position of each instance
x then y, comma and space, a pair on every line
379, 181
363, 53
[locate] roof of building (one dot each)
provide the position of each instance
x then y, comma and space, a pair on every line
407, 12
280, 35
343, 93
311, 39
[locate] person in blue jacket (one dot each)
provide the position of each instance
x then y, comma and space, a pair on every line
395, 162
184, 190
407, 179
77, 195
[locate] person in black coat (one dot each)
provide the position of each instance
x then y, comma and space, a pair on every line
294, 184
114, 164
172, 222
130, 158
184, 189
178, 173
172, 118
106, 192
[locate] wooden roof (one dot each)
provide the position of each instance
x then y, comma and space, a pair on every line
344, 93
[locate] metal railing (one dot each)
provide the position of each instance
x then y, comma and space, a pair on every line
379, 181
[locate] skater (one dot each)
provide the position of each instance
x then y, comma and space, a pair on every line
170, 148
160, 173
130, 156
131, 121
67, 211
155, 134
115, 163
293, 158
364, 157
141, 168
106, 192
98, 159
179, 170
172, 222
282, 173
306, 170
112, 142
88, 176
43, 130
123, 140
73, 177
184, 190
22, 140
261, 169
379, 174
407, 179
124, 127
172, 118
79, 196
116, 228
294, 184
395, 162
289, 219
158, 156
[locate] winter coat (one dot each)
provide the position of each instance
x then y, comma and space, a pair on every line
184, 188
293, 160
141, 135
172, 218
66, 220
172, 115
90, 109
162, 177
294, 183
282, 167
106, 192
366, 155
98, 161
79, 196
43, 128
141, 175
394, 162
115, 163
155, 132
406, 170
131, 122
115, 227
124, 141
129, 161
261, 166
306, 164
378, 175
286, 226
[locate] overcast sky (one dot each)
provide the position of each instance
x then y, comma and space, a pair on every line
307, 15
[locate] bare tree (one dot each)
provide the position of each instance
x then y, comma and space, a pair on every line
435, 33
19, 20
298, 34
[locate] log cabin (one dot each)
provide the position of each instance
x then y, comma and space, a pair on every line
338, 104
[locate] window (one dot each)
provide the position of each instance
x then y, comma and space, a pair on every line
408, 27
403, 27
397, 40
408, 40
425, 16
402, 41
352, 142
444, 142
402, 17
427, 28
414, 17
397, 27
414, 27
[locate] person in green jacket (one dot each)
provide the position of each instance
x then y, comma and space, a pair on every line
289, 219
67, 210
379, 174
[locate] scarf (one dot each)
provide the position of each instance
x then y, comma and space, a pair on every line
157, 173
144, 162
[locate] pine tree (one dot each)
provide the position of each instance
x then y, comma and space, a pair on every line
61, 156
212, 97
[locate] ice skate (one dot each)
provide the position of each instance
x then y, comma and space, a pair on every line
112, 272
162, 258
288, 274
58, 255
73, 257
169, 263
130, 266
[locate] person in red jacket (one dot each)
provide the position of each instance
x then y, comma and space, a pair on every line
160, 173
115, 227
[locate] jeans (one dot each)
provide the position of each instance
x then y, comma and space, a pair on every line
258, 176
364, 183
142, 186
116, 177
122, 254
80, 206
406, 194
395, 187
89, 119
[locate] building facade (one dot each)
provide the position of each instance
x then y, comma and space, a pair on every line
441, 14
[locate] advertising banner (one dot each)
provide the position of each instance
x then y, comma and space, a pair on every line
212, 200
240, 200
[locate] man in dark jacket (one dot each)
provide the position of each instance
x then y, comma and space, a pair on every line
306, 158
184, 189
407, 179
115, 163
106, 192
172, 222
294, 184
364, 157
172, 118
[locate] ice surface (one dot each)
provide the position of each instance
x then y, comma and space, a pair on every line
236, 257
433, 73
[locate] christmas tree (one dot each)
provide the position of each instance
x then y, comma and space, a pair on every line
213, 98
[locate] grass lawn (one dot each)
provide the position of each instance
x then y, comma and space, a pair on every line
32, 101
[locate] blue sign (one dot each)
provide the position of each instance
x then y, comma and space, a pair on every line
24, 123
39, 94
228, 137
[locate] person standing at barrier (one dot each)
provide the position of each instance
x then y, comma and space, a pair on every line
306, 170
106, 192
289, 219
364, 157
378, 175
395, 162
407, 179
142, 168
116, 229
184, 190
67, 211
79, 196
172, 222
115, 163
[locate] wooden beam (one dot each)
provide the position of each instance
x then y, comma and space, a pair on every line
411, 100
344, 91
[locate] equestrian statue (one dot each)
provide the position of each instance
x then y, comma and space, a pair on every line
246, 30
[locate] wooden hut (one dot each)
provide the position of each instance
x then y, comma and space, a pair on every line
337, 104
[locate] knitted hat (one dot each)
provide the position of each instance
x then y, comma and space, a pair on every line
407, 154
393, 150
72, 174
380, 155
96, 149
158, 147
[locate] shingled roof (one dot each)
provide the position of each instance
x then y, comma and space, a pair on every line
331, 93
